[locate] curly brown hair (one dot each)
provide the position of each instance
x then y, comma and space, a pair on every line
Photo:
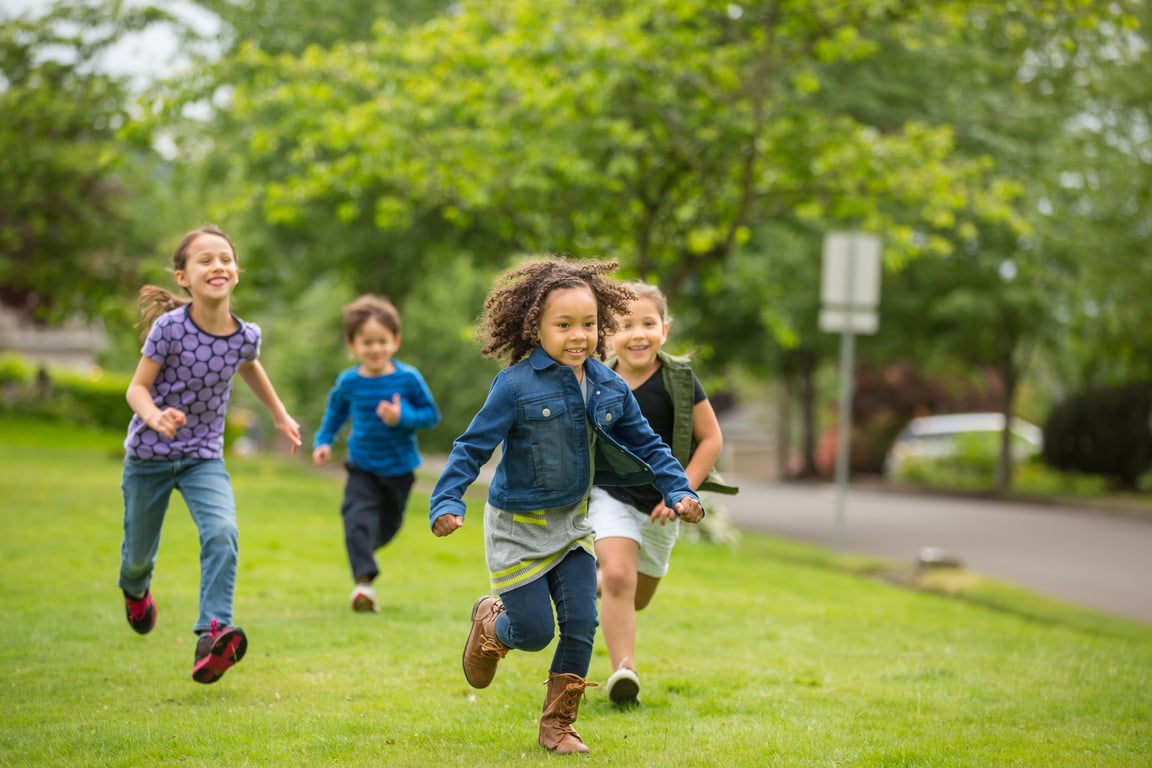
154, 300
509, 325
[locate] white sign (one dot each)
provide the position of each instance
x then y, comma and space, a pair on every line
850, 282
860, 321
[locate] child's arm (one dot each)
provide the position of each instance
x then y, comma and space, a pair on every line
257, 380
418, 410
635, 433
709, 441
470, 451
139, 397
335, 414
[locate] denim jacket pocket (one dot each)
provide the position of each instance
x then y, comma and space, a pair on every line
548, 423
608, 410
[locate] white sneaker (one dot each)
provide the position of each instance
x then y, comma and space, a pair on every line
364, 599
623, 686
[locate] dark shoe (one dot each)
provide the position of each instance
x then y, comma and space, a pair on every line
216, 651
141, 612
623, 686
482, 651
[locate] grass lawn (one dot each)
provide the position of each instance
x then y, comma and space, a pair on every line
765, 654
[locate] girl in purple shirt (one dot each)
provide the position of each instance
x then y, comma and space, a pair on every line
179, 396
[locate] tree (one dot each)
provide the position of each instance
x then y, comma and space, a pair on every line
1011, 89
657, 133
67, 228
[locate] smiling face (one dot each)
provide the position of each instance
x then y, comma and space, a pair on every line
568, 329
642, 333
374, 346
210, 269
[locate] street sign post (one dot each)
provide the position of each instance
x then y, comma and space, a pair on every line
849, 295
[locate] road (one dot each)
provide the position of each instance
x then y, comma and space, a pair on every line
1087, 557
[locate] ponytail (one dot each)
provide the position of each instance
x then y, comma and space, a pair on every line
153, 302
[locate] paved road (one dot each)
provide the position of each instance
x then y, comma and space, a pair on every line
1085, 557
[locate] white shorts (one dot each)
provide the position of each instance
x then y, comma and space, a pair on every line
613, 518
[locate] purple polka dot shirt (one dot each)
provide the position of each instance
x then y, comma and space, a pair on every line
196, 372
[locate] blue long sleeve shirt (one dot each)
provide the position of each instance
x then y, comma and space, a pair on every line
373, 446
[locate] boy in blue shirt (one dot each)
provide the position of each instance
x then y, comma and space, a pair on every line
387, 401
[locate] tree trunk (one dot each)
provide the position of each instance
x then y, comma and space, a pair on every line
806, 374
1008, 378
784, 396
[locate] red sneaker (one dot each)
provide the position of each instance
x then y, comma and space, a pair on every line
216, 651
141, 612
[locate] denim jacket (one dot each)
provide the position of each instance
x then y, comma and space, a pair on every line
536, 409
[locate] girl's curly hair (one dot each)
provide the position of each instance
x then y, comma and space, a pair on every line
508, 326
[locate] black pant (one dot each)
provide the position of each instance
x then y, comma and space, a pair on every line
373, 512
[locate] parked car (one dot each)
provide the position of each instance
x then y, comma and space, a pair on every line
932, 438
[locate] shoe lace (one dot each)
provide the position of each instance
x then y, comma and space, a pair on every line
138, 607
566, 707
492, 648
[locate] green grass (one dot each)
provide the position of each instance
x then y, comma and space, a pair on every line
766, 654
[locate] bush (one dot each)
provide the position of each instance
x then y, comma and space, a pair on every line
15, 371
1105, 431
96, 400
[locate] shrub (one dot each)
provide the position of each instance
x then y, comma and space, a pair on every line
16, 371
1105, 431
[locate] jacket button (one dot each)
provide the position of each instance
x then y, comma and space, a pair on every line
546, 412
607, 417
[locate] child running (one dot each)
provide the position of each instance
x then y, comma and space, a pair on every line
387, 401
634, 529
180, 394
563, 420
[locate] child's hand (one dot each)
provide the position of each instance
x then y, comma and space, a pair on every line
662, 514
689, 510
447, 524
389, 411
168, 421
291, 430
321, 455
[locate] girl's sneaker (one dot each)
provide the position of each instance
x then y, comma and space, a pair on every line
623, 686
141, 612
364, 599
216, 651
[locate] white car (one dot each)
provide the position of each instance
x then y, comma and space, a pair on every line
930, 438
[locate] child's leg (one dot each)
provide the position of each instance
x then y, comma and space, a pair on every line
573, 587
393, 499
618, 557
653, 559
147, 487
361, 511
572, 584
527, 623
207, 490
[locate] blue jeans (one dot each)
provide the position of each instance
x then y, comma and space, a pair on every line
527, 623
207, 490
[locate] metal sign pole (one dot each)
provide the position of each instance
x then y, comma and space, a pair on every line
847, 363
850, 292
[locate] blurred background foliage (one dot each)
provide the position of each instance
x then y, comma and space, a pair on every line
413, 148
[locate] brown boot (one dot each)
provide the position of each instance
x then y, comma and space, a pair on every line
561, 705
482, 651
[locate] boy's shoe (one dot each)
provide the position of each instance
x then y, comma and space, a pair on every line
364, 599
141, 612
482, 651
216, 651
623, 686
